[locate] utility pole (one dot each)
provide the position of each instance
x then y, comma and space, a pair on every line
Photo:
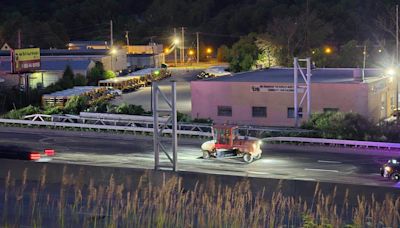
364, 60
198, 48
183, 45
111, 34
176, 46
127, 37
397, 64
307, 27
19, 39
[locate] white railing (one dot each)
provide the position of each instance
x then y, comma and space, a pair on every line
147, 122
335, 142
100, 127
196, 130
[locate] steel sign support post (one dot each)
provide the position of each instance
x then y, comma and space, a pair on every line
158, 129
307, 94
308, 87
295, 85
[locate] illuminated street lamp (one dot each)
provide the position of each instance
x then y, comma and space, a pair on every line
391, 71
328, 50
166, 50
113, 51
208, 50
176, 41
191, 52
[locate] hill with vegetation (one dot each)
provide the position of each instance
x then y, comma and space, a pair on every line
51, 23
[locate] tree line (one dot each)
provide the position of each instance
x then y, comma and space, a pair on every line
299, 25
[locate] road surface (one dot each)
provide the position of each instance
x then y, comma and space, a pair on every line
119, 150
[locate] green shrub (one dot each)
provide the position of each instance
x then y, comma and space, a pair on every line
20, 113
80, 80
53, 110
341, 125
181, 117
203, 120
129, 109
109, 74
76, 104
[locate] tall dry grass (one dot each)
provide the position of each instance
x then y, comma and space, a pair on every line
74, 203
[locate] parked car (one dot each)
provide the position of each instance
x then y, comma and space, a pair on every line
115, 92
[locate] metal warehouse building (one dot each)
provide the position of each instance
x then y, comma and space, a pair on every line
266, 98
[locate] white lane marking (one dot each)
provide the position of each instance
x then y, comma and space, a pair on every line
255, 172
304, 179
332, 162
43, 160
322, 170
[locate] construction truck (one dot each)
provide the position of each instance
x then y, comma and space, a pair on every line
228, 143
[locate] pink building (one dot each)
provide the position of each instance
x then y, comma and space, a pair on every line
265, 98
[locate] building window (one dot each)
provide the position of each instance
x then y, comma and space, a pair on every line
331, 110
290, 113
259, 111
224, 110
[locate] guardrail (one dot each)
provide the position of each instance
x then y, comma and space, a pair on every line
336, 142
196, 130
147, 122
100, 127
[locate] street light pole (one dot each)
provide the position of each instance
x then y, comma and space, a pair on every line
364, 61
198, 48
397, 63
183, 45
176, 46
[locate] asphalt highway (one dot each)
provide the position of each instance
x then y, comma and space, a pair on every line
122, 150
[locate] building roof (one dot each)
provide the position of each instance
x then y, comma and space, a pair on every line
285, 75
87, 42
76, 65
75, 91
66, 52
142, 55
54, 65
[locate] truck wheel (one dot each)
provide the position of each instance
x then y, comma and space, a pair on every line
258, 156
248, 158
396, 177
206, 155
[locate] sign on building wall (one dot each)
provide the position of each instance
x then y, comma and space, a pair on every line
26, 60
269, 88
